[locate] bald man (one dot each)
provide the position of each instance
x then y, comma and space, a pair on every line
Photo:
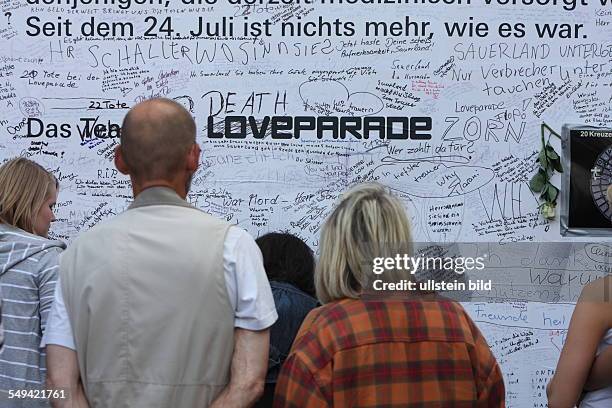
164, 305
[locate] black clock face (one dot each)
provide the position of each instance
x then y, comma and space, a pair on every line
590, 165
601, 178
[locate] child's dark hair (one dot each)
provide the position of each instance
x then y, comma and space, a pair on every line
288, 259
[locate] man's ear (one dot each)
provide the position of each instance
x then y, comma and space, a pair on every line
119, 162
193, 158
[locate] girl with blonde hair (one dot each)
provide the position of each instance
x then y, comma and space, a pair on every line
582, 376
384, 349
28, 271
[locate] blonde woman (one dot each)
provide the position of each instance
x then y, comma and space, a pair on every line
374, 351
28, 271
586, 349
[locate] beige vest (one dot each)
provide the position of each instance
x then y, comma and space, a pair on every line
146, 296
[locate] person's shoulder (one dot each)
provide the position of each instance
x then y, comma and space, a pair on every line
187, 209
340, 324
32, 246
100, 234
440, 304
50, 246
315, 342
598, 293
204, 216
11, 234
235, 232
186, 215
437, 318
458, 324
291, 290
194, 218
291, 301
328, 317
51, 251
597, 288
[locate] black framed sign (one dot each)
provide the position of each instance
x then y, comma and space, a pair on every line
587, 161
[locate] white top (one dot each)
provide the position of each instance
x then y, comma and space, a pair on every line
245, 278
601, 398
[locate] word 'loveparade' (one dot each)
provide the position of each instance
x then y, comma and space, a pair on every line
339, 127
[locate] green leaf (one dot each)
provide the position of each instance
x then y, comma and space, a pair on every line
556, 164
551, 153
538, 181
553, 193
543, 195
542, 158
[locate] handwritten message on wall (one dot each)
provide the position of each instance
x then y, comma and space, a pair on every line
296, 100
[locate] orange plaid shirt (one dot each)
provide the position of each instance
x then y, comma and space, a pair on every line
410, 353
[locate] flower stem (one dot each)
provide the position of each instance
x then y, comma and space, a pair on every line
552, 132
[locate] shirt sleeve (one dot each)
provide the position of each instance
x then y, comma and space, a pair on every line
59, 330
246, 282
494, 394
296, 386
1, 327
46, 278
489, 381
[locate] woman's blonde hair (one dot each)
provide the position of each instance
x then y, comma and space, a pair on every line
24, 187
369, 222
